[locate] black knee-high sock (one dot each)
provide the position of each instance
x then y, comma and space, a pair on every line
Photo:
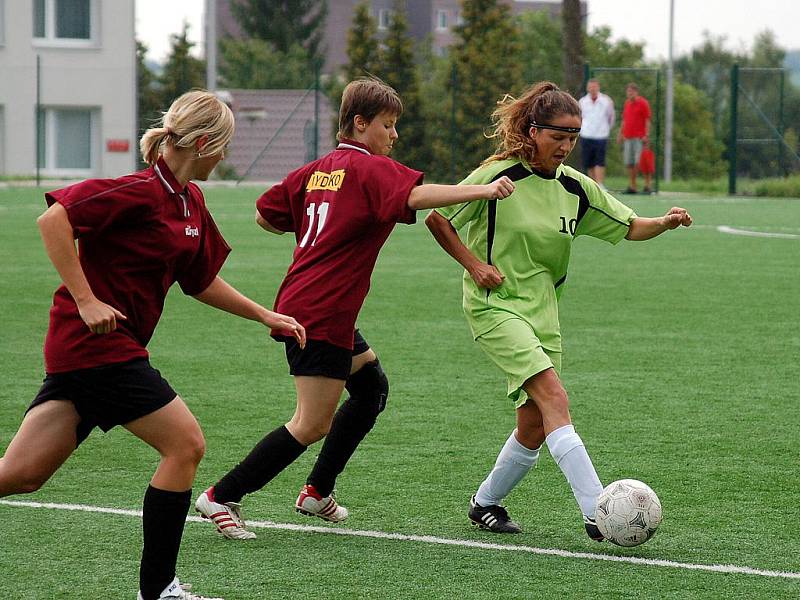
346, 433
163, 518
369, 389
270, 456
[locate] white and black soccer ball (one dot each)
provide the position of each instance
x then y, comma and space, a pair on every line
628, 512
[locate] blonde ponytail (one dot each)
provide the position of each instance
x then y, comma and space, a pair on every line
190, 117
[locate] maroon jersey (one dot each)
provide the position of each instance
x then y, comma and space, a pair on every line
137, 235
341, 208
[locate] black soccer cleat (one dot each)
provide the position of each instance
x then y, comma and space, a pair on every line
492, 518
592, 530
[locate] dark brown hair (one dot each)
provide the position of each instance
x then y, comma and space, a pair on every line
513, 117
368, 97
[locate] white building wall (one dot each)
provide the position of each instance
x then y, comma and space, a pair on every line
97, 74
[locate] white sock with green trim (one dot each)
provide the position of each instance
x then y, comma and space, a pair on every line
567, 449
513, 463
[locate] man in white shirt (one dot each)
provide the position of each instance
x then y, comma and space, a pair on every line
598, 118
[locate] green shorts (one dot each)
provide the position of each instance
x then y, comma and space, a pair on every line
514, 347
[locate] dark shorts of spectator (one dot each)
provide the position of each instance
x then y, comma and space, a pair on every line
320, 358
108, 395
593, 153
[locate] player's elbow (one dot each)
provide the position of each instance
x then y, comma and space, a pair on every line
265, 225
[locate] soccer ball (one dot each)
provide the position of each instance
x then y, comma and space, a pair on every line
628, 512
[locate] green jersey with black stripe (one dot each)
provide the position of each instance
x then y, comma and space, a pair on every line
528, 236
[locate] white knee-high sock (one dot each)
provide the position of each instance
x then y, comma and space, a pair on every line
513, 463
568, 451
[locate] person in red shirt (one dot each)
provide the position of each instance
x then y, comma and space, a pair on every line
137, 235
634, 132
341, 209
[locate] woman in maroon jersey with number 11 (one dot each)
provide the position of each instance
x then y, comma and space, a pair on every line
341, 209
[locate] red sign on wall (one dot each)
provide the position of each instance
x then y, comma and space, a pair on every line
117, 145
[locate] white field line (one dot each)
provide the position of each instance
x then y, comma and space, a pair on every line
749, 233
429, 539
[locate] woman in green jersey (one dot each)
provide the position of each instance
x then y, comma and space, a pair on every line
515, 255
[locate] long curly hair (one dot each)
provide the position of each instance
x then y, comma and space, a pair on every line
542, 102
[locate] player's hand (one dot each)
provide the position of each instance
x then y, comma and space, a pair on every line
486, 276
500, 188
99, 316
286, 325
677, 216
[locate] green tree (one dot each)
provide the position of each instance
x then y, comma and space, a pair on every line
540, 39
284, 23
697, 151
485, 63
148, 103
400, 71
256, 64
182, 71
363, 52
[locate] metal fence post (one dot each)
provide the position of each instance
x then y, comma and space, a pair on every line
734, 135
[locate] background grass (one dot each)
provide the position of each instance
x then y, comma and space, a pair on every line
681, 365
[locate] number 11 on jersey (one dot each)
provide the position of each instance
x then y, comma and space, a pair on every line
312, 211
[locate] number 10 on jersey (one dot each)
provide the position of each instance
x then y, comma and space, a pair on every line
320, 214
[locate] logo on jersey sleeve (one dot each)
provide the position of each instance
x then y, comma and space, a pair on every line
326, 181
191, 231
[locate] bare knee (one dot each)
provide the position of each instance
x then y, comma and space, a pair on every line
190, 450
309, 431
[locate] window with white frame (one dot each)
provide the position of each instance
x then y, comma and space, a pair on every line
64, 20
384, 18
66, 139
441, 20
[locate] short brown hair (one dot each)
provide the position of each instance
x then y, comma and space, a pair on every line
368, 97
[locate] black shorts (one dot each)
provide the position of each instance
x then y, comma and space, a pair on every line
109, 395
593, 153
322, 358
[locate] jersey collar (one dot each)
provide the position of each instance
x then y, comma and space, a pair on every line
542, 174
168, 180
346, 144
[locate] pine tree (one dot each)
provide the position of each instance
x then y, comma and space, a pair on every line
400, 71
284, 23
148, 101
182, 71
363, 52
486, 64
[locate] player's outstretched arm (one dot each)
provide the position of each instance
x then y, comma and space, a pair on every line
484, 275
432, 195
224, 296
645, 228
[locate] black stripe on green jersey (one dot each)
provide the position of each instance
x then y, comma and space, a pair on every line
514, 173
573, 186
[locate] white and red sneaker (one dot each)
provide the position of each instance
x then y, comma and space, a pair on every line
310, 503
227, 517
179, 591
